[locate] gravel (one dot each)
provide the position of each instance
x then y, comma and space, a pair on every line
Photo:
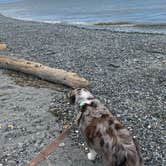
127, 72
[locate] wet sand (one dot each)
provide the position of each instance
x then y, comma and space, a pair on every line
127, 72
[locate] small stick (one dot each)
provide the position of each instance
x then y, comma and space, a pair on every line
50, 148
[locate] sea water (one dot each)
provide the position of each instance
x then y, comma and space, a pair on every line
118, 15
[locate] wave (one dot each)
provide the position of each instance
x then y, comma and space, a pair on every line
132, 24
157, 28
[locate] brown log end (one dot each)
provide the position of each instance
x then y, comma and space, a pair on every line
3, 46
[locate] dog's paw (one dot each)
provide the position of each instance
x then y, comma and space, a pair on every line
92, 155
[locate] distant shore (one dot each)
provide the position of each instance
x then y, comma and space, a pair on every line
128, 16
131, 27
127, 72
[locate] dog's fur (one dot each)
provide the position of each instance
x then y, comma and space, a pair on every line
103, 133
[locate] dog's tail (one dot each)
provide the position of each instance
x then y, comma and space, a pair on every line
125, 156
119, 156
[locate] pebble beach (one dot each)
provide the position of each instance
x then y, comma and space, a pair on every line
127, 72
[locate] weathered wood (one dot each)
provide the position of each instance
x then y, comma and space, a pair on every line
2, 46
50, 148
44, 72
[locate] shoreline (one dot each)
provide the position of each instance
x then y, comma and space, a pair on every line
127, 72
105, 26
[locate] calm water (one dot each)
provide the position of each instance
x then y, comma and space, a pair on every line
126, 15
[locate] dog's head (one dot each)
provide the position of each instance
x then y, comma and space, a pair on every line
78, 94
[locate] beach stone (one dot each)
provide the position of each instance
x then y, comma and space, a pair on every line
126, 72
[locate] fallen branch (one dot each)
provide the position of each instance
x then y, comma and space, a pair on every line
44, 72
2, 46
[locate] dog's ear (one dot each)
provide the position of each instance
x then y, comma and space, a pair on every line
84, 107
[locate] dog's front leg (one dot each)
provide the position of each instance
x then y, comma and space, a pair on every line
92, 155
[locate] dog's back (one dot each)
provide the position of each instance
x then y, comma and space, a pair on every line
104, 133
107, 136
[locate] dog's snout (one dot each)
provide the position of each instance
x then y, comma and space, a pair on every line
70, 97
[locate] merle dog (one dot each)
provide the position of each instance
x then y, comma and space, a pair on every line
104, 134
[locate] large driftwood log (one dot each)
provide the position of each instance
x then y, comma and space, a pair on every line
2, 46
44, 72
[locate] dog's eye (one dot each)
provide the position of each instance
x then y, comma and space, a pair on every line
78, 90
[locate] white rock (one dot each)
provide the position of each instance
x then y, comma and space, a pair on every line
62, 144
